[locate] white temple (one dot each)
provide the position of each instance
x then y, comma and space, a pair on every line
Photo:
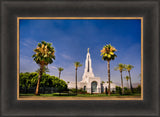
89, 82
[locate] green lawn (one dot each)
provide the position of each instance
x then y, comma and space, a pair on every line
79, 95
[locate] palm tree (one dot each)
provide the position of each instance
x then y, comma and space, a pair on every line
127, 78
45, 69
60, 69
44, 55
128, 68
102, 82
76, 64
108, 54
110, 82
121, 67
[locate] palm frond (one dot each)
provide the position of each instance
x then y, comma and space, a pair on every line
60, 69
120, 67
44, 53
77, 64
107, 52
129, 67
127, 78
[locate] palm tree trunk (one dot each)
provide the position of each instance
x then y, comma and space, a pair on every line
130, 82
127, 84
39, 78
76, 81
122, 83
108, 64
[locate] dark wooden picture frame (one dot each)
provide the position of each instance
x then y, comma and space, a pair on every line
147, 9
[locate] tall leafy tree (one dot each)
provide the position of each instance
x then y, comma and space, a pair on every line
121, 68
24, 80
127, 78
108, 54
44, 55
76, 64
129, 68
60, 69
28, 80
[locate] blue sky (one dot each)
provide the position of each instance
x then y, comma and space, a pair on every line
71, 38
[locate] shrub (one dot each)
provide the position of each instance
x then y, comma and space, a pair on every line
27, 80
127, 91
137, 89
80, 91
118, 90
113, 92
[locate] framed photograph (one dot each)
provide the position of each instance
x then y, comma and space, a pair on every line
51, 82
80, 58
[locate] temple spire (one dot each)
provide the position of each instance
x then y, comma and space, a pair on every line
88, 67
88, 50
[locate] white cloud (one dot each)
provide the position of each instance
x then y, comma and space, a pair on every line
66, 57
28, 42
27, 64
53, 67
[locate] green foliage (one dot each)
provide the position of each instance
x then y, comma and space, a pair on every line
120, 67
79, 91
127, 78
44, 70
30, 80
127, 91
118, 90
27, 79
77, 64
107, 52
60, 69
102, 82
110, 82
137, 89
129, 67
44, 53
